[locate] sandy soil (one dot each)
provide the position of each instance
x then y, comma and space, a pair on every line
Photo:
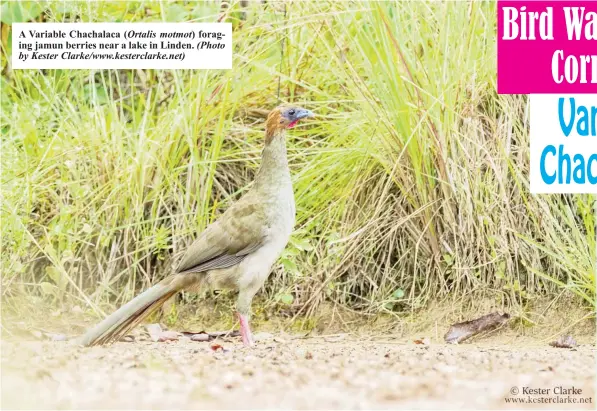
334, 372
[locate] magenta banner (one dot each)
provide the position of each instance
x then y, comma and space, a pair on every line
547, 47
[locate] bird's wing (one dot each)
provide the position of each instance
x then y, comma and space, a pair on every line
241, 230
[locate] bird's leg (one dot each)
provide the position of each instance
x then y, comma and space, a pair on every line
243, 309
245, 329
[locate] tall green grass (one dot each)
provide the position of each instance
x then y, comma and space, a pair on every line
411, 185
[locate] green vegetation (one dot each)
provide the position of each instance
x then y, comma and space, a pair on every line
411, 185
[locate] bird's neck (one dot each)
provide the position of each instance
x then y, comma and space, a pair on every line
274, 161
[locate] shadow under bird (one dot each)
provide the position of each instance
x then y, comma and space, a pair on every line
236, 251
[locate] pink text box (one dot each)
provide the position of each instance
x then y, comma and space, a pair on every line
525, 66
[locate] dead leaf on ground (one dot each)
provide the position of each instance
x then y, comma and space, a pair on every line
158, 335
200, 337
216, 347
154, 331
169, 336
205, 336
462, 331
423, 341
564, 342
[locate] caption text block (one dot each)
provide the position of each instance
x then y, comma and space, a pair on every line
122, 46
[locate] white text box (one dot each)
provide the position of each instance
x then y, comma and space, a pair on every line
563, 143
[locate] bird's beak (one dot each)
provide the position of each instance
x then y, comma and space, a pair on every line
304, 114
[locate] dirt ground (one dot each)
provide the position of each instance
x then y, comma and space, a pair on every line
327, 372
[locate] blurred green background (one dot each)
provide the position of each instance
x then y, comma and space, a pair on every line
411, 185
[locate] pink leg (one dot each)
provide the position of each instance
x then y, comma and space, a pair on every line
245, 330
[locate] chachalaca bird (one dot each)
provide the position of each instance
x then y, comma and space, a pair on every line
236, 251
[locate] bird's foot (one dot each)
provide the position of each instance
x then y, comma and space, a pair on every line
245, 330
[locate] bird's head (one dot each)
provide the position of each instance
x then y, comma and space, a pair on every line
284, 117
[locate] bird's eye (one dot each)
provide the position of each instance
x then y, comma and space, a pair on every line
291, 112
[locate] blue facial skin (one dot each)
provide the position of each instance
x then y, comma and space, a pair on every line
296, 114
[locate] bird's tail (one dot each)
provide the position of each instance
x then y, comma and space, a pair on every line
132, 313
